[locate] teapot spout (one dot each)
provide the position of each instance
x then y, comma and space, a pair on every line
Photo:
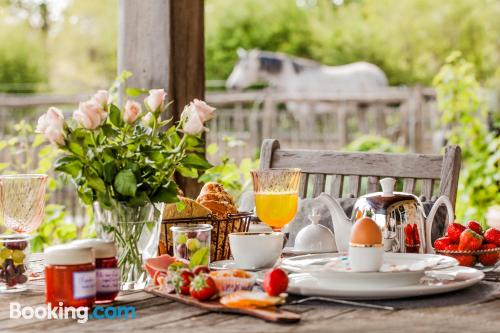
341, 224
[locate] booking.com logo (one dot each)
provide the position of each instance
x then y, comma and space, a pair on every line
82, 314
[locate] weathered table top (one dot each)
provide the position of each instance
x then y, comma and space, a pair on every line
162, 315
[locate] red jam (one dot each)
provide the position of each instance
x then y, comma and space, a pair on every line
108, 279
69, 276
106, 265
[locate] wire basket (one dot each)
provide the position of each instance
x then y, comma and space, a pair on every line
222, 227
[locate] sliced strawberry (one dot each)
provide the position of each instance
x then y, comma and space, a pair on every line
275, 282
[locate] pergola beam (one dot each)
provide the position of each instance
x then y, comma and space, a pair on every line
162, 43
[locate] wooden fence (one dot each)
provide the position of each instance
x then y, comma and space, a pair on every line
406, 116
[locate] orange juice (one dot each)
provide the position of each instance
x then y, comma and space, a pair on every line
276, 209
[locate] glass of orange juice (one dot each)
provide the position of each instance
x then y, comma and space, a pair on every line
276, 195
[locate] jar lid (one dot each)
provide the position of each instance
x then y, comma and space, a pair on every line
68, 254
102, 248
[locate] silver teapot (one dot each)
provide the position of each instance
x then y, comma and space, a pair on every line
400, 216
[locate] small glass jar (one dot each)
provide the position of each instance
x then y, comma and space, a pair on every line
106, 268
70, 278
191, 240
14, 253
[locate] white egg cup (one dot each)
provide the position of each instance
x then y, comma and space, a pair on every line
366, 258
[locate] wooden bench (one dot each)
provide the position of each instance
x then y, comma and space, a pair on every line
351, 174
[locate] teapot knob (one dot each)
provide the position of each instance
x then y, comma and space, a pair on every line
388, 186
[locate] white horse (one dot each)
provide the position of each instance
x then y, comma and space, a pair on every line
298, 75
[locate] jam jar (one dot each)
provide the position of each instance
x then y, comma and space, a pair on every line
106, 268
70, 278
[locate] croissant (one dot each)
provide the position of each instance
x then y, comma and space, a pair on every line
214, 197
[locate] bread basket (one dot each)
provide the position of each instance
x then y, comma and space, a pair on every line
222, 227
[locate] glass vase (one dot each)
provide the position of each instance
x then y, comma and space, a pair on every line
136, 233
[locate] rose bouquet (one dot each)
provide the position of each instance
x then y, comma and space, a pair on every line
123, 162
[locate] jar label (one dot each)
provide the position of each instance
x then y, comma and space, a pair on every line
108, 280
84, 284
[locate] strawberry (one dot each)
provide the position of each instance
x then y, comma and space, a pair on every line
181, 281
491, 258
201, 269
475, 226
470, 240
492, 235
465, 259
202, 287
452, 247
442, 243
454, 230
275, 282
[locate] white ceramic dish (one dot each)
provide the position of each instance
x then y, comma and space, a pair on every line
231, 264
306, 285
399, 269
256, 249
292, 251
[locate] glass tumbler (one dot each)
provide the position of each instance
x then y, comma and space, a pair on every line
14, 256
192, 242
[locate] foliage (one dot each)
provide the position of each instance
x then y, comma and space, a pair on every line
22, 59
131, 164
409, 40
374, 143
464, 111
28, 154
233, 176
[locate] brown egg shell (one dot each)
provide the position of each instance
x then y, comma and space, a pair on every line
365, 232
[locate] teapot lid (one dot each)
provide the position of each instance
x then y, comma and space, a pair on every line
380, 201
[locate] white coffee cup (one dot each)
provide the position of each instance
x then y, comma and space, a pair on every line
253, 250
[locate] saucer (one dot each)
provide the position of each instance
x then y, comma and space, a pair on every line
307, 285
231, 264
399, 269
291, 251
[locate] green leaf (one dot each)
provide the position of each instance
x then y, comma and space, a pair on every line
70, 165
195, 161
109, 131
115, 115
109, 171
140, 199
212, 149
94, 181
104, 199
134, 92
200, 257
75, 148
125, 183
187, 172
166, 193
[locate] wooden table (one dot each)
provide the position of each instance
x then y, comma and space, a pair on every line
156, 314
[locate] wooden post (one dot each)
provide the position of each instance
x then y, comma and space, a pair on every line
162, 43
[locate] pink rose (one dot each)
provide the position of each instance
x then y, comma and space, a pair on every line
102, 98
132, 111
147, 120
90, 114
205, 111
197, 113
155, 100
53, 117
51, 124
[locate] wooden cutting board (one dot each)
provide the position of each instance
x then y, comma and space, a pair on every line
278, 316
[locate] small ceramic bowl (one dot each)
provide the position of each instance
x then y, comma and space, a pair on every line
366, 258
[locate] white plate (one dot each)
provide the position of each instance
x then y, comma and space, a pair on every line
292, 251
399, 269
231, 264
306, 285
